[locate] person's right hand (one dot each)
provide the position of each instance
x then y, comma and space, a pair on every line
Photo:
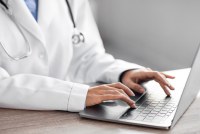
116, 91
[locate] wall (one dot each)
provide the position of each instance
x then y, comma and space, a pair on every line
161, 34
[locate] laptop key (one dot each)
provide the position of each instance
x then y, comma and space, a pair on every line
169, 105
172, 108
143, 114
160, 105
168, 114
160, 114
157, 109
141, 107
140, 118
154, 112
163, 112
151, 115
153, 105
146, 111
150, 106
165, 109
148, 118
155, 102
140, 110
144, 105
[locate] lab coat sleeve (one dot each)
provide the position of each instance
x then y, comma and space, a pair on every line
90, 62
35, 92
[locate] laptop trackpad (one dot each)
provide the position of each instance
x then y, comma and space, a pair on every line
109, 109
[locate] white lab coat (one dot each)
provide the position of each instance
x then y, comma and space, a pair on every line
50, 79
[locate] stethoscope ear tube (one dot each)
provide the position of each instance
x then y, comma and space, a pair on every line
3, 4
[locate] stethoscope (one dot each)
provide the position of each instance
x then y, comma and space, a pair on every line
77, 38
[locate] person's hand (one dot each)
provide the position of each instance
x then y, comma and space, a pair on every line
116, 91
133, 78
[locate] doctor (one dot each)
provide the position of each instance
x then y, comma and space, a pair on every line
42, 67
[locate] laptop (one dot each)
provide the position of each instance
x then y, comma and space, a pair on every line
154, 108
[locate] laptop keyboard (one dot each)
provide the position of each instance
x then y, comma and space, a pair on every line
151, 110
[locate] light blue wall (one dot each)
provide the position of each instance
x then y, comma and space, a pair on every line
161, 34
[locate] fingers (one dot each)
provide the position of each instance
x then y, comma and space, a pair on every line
116, 91
161, 79
123, 87
165, 90
168, 76
118, 96
160, 75
112, 90
133, 78
136, 87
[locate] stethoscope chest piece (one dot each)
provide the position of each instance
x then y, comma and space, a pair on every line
77, 38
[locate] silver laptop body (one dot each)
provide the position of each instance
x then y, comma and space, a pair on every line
154, 108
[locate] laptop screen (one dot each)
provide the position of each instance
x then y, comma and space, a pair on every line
191, 88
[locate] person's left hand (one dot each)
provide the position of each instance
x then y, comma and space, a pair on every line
133, 78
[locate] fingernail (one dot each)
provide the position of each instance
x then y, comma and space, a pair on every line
171, 87
133, 106
141, 90
132, 94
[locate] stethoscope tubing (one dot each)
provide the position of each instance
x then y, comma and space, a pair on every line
3, 4
71, 14
77, 37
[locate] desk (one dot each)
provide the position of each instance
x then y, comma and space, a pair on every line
58, 122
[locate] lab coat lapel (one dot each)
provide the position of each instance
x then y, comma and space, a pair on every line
46, 12
23, 17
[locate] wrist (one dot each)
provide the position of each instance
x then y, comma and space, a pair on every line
121, 77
